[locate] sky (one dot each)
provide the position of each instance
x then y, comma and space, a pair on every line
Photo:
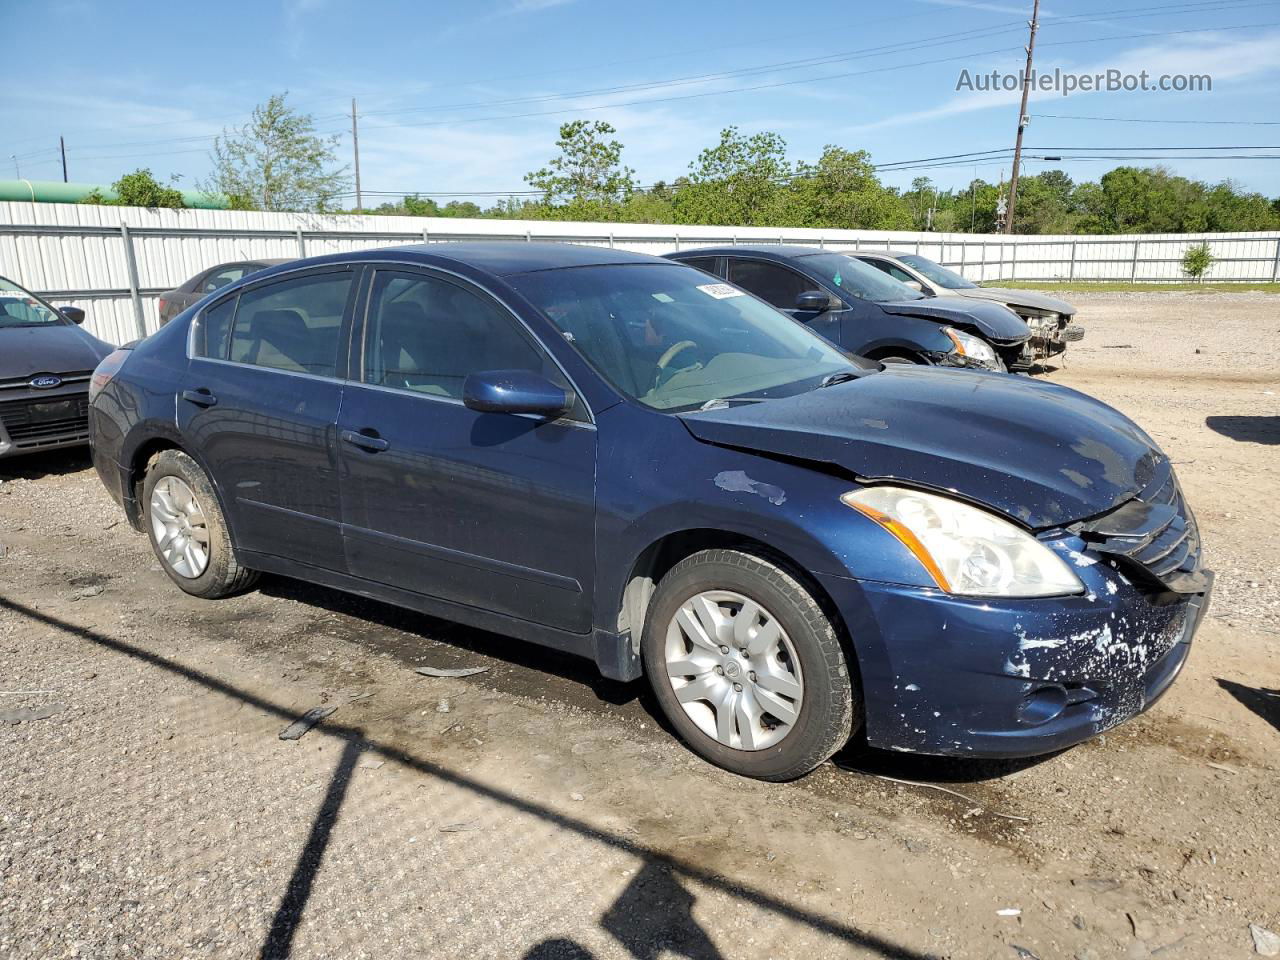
465, 98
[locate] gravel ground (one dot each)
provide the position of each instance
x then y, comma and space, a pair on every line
538, 811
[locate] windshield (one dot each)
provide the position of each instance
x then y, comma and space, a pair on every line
937, 273
675, 339
21, 308
857, 279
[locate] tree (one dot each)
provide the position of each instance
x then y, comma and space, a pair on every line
276, 161
587, 179
740, 181
139, 189
842, 191
1196, 261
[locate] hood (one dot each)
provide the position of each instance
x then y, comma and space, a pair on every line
1038, 453
1020, 298
55, 348
989, 319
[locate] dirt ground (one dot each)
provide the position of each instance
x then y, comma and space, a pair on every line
537, 811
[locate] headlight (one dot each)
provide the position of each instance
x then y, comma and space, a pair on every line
966, 550
974, 349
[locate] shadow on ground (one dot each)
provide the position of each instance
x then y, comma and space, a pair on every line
1264, 430
538, 671
55, 463
650, 917
1265, 703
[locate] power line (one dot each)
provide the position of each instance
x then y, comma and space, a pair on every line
1242, 123
942, 39
979, 158
804, 80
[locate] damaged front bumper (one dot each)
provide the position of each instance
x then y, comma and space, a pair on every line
1049, 338
959, 676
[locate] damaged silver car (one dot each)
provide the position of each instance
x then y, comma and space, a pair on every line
1052, 321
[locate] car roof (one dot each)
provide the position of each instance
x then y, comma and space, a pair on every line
496, 257
772, 251
891, 254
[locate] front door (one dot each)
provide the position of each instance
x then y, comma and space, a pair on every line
494, 511
779, 286
261, 406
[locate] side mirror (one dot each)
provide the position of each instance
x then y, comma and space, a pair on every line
74, 314
814, 301
915, 285
515, 391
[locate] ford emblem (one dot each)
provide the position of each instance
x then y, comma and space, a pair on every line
46, 382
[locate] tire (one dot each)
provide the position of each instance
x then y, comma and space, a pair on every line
807, 648
898, 358
220, 574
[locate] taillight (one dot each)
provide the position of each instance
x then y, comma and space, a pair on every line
161, 305
107, 369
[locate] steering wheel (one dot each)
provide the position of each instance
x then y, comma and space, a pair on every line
667, 356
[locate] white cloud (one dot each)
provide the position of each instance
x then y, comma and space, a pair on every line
533, 6
1018, 11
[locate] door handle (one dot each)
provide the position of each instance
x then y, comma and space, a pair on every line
201, 397
364, 441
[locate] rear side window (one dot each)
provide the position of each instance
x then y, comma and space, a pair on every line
220, 278
427, 335
702, 263
292, 325
214, 330
771, 283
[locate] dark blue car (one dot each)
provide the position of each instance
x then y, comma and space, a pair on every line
867, 312
619, 456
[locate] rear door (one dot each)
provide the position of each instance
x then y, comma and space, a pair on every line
489, 510
261, 407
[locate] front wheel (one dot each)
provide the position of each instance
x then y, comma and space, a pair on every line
746, 666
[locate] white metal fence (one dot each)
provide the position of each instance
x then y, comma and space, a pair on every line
115, 261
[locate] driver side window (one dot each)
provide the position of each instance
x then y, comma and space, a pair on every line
426, 335
774, 284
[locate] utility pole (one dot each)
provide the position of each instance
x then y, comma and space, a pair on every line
62, 145
355, 146
973, 193
1002, 208
1022, 116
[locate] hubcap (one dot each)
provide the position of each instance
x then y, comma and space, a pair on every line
734, 670
179, 527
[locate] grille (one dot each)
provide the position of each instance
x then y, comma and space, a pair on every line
1156, 533
24, 383
29, 426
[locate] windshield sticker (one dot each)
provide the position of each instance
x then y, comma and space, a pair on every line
663, 297
838, 279
721, 291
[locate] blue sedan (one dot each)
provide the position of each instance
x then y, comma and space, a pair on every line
625, 458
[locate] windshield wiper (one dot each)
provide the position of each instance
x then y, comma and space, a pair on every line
842, 377
718, 404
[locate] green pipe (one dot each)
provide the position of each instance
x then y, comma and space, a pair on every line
55, 191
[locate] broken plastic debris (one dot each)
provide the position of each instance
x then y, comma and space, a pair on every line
1264, 941
450, 671
464, 827
295, 730
27, 714
1008, 912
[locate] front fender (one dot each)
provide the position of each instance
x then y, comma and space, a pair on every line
656, 480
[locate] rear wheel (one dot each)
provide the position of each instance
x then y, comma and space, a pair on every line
187, 530
746, 666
